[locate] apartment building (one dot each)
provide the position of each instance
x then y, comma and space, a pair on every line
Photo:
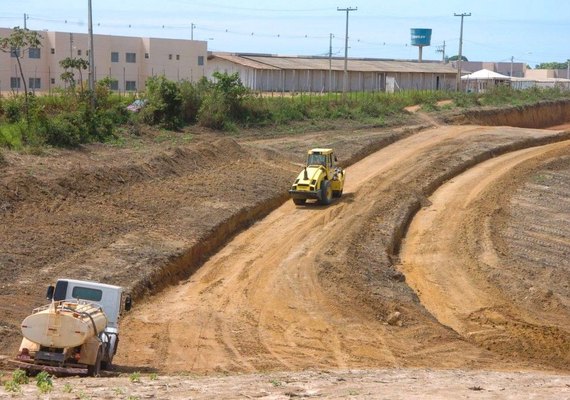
129, 61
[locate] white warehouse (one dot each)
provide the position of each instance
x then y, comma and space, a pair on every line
270, 73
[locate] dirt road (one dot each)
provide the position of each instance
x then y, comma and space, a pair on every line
456, 256
297, 290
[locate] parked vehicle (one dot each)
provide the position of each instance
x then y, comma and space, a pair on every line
320, 179
77, 333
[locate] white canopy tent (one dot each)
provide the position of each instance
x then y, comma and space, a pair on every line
482, 80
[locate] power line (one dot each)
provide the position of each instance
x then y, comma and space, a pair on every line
206, 28
225, 7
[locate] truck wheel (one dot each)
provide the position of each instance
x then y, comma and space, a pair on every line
93, 370
337, 193
299, 202
106, 365
326, 193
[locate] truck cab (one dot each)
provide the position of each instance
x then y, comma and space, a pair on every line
109, 297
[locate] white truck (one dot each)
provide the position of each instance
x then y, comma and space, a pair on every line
77, 333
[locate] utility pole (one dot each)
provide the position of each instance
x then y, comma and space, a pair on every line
441, 49
458, 82
512, 60
330, 62
91, 56
192, 26
568, 71
345, 77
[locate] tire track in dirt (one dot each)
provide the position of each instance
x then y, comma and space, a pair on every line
451, 252
260, 303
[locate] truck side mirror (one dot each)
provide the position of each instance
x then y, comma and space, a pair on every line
335, 159
49, 293
128, 303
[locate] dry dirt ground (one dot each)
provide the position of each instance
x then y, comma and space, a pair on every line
480, 283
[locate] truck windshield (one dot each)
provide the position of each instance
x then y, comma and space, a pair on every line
86, 293
317, 159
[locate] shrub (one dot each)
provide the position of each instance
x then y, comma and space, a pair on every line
20, 377
63, 130
191, 99
164, 103
225, 103
135, 377
232, 91
213, 112
13, 110
283, 110
464, 100
371, 108
12, 386
11, 135
44, 382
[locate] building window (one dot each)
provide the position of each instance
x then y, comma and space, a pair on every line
35, 83
14, 83
14, 52
114, 56
34, 52
53, 81
131, 57
87, 53
177, 56
52, 50
170, 56
130, 85
146, 56
200, 60
78, 52
114, 85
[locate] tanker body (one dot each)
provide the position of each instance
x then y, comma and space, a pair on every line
77, 333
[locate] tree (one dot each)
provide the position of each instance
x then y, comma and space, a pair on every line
18, 43
70, 64
223, 102
552, 65
455, 58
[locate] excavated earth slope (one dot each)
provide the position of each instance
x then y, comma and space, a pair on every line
316, 287
305, 287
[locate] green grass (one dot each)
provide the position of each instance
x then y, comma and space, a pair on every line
44, 382
64, 119
135, 377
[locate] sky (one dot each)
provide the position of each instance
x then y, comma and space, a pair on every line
497, 30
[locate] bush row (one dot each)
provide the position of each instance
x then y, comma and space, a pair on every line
66, 118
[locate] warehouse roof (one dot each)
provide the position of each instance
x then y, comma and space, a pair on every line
246, 62
263, 61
